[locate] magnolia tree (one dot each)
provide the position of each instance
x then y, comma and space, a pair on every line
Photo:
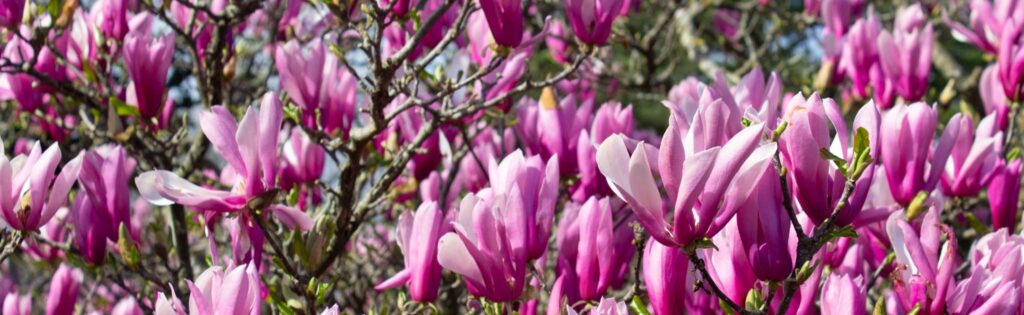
475, 156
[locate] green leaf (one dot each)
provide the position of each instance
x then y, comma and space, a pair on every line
123, 109
755, 300
1013, 155
845, 231
880, 308
916, 206
638, 306
916, 310
976, 224
125, 244
54, 8
704, 243
861, 142
840, 162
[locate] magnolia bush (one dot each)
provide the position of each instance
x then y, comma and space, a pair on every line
601, 157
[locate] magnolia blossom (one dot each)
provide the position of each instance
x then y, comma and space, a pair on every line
706, 187
905, 53
591, 20
218, 290
907, 134
103, 205
250, 149
505, 20
417, 237
30, 194
148, 60
925, 264
10, 13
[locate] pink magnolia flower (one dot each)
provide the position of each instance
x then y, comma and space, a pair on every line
997, 274
860, 52
595, 250
418, 237
518, 209
557, 42
551, 128
218, 290
317, 81
64, 289
250, 149
29, 193
10, 13
505, 20
992, 96
148, 60
16, 304
988, 20
817, 183
907, 134
24, 88
974, 159
302, 166
706, 185
605, 307
127, 306
906, 53
111, 18
665, 271
1010, 59
592, 20
838, 14
764, 229
1004, 194
843, 295
103, 205
727, 21
925, 264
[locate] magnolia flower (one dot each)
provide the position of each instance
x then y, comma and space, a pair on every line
706, 187
665, 271
103, 205
317, 81
592, 20
26, 89
605, 307
63, 291
907, 134
147, 60
302, 166
505, 20
764, 229
1010, 59
843, 294
111, 18
127, 306
15, 304
29, 193
925, 266
10, 13
816, 183
992, 96
234, 290
418, 239
905, 53
250, 149
997, 274
860, 52
491, 269
988, 20
551, 128
974, 158
1004, 194
594, 254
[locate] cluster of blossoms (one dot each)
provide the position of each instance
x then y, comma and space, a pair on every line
241, 157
